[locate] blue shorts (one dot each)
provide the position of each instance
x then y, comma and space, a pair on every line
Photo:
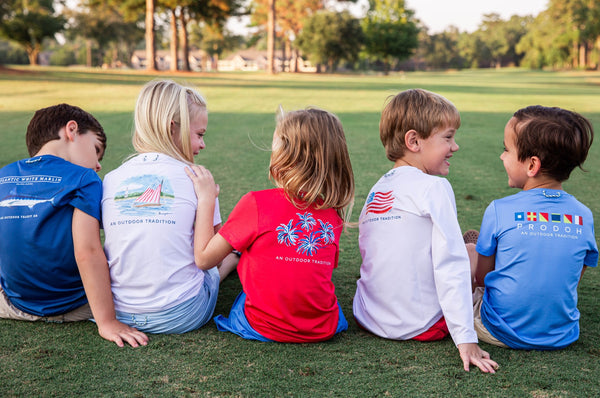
184, 317
238, 324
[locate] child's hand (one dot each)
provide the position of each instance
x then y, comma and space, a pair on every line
204, 184
471, 353
119, 333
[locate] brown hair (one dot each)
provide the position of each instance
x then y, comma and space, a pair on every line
560, 138
47, 122
415, 109
311, 161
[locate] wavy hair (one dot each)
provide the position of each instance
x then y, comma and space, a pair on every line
160, 103
310, 161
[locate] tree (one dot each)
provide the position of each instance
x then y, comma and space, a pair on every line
440, 51
390, 31
101, 22
321, 38
291, 15
28, 23
501, 37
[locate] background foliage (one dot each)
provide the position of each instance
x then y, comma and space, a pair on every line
72, 360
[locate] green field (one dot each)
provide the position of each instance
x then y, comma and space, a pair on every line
72, 360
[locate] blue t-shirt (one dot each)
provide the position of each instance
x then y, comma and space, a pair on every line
38, 271
542, 238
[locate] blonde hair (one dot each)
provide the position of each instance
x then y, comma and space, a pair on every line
415, 109
160, 103
311, 161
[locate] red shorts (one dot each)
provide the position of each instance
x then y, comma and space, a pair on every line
437, 331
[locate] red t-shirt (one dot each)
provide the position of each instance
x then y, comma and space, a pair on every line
288, 256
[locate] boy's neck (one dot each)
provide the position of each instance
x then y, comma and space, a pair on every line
542, 182
404, 161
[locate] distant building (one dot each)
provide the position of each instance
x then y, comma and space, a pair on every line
243, 60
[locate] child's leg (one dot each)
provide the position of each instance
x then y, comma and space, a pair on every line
482, 333
228, 264
470, 238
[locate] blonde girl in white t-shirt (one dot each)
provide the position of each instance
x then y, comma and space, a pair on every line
148, 212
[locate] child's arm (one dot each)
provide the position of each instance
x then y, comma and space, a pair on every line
471, 353
209, 248
485, 265
93, 269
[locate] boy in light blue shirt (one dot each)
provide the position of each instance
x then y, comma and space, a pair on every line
535, 245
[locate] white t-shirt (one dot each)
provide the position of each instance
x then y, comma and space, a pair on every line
148, 214
415, 264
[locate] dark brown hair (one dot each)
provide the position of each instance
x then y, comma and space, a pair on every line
47, 122
560, 138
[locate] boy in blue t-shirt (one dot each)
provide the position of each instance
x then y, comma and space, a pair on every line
535, 245
51, 257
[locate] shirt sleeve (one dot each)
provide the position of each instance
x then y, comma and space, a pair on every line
451, 266
217, 215
241, 227
88, 196
487, 242
591, 257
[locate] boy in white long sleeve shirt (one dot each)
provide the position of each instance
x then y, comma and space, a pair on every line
415, 278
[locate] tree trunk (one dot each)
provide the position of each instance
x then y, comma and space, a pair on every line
271, 38
583, 55
184, 40
88, 53
294, 66
174, 42
33, 53
150, 40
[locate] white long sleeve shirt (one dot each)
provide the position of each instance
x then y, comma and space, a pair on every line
415, 265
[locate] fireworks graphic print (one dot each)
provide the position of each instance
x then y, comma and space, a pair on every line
304, 234
380, 202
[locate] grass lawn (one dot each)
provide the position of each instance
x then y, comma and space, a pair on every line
72, 360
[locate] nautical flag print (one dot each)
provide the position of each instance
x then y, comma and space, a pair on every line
380, 202
522, 216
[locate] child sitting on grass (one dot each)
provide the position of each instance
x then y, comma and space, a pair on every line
51, 258
535, 245
415, 278
288, 236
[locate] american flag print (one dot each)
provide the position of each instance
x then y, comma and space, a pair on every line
380, 202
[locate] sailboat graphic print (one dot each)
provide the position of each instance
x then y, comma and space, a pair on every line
145, 195
150, 197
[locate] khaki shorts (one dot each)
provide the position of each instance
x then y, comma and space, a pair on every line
9, 311
482, 333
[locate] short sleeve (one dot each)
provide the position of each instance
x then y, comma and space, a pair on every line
88, 196
487, 241
241, 227
591, 257
217, 214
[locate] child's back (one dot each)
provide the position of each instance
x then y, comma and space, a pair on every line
407, 224
534, 245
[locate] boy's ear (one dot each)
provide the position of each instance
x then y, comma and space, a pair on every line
71, 130
534, 164
411, 140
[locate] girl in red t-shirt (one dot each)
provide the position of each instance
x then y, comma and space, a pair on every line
288, 236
